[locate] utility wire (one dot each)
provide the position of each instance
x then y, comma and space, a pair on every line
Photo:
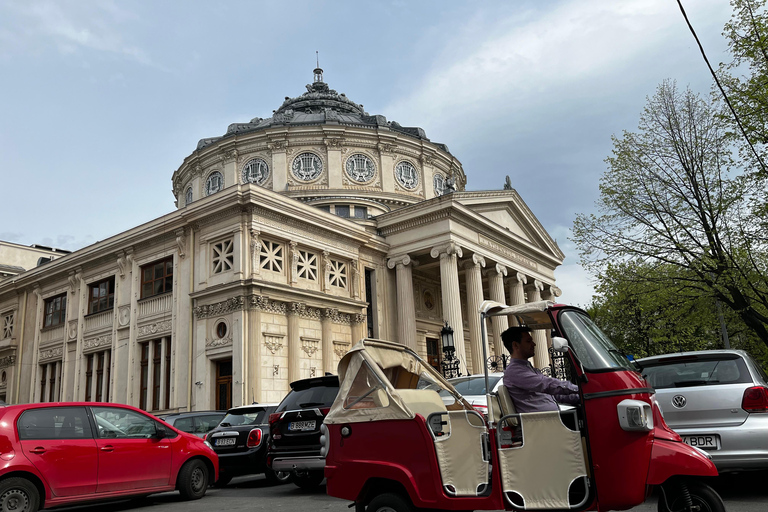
719, 86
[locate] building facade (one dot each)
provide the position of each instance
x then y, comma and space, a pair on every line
294, 236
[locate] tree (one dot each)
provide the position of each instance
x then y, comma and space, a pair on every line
672, 200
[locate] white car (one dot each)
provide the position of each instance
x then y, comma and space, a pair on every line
472, 388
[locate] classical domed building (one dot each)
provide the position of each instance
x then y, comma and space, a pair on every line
294, 236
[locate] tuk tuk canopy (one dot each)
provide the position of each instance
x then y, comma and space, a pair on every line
531, 314
383, 380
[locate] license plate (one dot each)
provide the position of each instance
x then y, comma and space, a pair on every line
705, 442
301, 425
227, 441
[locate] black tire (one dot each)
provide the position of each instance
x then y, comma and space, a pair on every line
19, 494
193, 480
307, 479
222, 481
390, 503
702, 496
277, 477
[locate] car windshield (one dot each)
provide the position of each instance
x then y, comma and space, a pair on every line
593, 348
474, 385
682, 374
317, 396
246, 417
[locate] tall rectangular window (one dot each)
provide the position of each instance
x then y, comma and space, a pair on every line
101, 295
144, 375
50, 381
155, 375
370, 284
55, 310
97, 376
157, 278
156, 360
88, 377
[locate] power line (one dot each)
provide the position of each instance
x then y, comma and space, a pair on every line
719, 86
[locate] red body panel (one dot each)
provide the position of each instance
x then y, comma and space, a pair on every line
670, 458
55, 459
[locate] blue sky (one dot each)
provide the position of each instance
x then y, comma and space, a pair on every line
101, 101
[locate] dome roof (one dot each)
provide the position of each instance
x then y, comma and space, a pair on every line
319, 105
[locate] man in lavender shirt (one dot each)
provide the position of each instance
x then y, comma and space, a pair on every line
529, 389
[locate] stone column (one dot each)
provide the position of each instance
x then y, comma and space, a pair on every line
163, 369
449, 284
499, 324
516, 293
406, 310
358, 328
254, 352
541, 358
294, 341
474, 280
329, 314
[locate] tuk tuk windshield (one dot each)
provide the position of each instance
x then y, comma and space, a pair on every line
593, 348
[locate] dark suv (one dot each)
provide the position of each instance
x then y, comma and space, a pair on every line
240, 441
295, 430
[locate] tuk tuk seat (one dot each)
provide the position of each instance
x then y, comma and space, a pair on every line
422, 401
506, 404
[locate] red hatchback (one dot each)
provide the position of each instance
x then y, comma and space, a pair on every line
53, 454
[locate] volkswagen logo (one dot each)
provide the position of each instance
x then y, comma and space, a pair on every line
679, 401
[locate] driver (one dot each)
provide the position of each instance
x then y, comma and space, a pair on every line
529, 389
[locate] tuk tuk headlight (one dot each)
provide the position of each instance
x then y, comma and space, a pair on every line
635, 415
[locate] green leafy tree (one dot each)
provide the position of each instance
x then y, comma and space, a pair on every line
673, 200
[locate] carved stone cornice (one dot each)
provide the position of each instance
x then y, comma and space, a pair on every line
286, 224
334, 142
415, 223
385, 147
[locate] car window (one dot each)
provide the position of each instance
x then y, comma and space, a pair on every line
250, 416
468, 386
54, 423
204, 424
318, 396
679, 374
114, 422
184, 424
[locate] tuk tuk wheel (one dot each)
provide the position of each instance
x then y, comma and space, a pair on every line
389, 502
703, 498
307, 479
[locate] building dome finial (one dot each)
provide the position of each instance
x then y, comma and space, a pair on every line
318, 72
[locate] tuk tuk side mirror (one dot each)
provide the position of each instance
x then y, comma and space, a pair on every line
559, 344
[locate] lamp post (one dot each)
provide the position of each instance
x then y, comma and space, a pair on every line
450, 362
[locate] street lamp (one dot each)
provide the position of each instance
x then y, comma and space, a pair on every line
450, 362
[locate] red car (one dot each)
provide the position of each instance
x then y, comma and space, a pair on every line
60, 453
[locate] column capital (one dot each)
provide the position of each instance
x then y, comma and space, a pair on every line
401, 260
521, 278
475, 261
536, 285
552, 290
449, 249
497, 269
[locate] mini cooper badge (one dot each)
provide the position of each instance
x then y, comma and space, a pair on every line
679, 401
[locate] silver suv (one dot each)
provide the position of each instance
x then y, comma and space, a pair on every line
717, 400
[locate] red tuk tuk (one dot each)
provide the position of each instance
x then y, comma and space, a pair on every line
399, 437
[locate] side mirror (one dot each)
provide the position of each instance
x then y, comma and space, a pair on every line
559, 344
160, 432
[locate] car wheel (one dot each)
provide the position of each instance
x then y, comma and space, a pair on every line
193, 480
389, 503
277, 477
703, 498
307, 479
19, 494
223, 480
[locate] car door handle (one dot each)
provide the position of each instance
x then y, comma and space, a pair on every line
108, 448
37, 450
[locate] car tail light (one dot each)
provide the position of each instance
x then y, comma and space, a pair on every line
254, 438
324, 411
755, 399
205, 437
274, 417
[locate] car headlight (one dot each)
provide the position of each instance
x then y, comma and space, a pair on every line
635, 415
209, 445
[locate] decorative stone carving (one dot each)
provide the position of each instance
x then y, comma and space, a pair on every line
97, 342
53, 353
386, 147
122, 263
220, 308
156, 328
255, 251
123, 315
7, 361
500, 248
331, 314
354, 278
181, 241
327, 266
333, 142
72, 329
310, 345
277, 145
294, 250
302, 310
218, 342
264, 304
273, 341
359, 318
448, 249
74, 281
340, 348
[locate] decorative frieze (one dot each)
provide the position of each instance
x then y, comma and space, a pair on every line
273, 341
52, 353
7, 361
218, 342
304, 311
500, 248
156, 328
220, 308
264, 304
99, 341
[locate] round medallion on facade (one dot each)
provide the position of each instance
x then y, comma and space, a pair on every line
429, 300
360, 168
214, 183
407, 175
188, 196
439, 183
255, 171
307, 167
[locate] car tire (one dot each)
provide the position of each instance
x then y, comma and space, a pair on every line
222, 481
19, 494
702, 496
277, 477
389, 502
307, 479
193, 480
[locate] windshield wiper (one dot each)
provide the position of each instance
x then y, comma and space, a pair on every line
310, 404
692, 383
